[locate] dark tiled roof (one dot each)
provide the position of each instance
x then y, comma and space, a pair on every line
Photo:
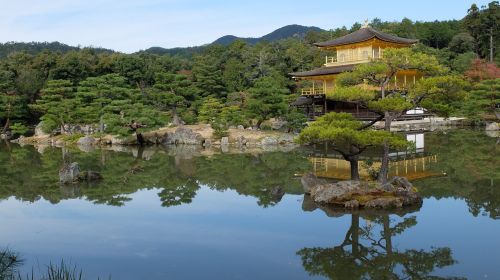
323, 71
365, 34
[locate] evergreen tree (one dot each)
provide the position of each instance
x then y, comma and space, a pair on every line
483, 99
208, 76
267, 100
348, 136
58, 105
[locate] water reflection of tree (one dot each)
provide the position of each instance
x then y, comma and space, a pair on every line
470, 160
366, 253
29, 175
256, 175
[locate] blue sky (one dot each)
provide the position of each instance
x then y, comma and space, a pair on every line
131, 25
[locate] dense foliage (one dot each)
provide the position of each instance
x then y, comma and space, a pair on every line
248, 83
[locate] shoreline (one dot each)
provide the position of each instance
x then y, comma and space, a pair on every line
203, 135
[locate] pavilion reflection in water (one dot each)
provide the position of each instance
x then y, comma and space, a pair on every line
413, 164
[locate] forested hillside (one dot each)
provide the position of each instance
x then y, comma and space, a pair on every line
228, 85
34, 48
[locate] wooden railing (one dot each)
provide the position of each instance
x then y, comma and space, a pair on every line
346, 60
312, 91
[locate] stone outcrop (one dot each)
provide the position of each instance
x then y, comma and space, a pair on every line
268, 141
39, 130
492, 127
6, 135
86, 141
69, 173
309, 181
398, 193
183, 135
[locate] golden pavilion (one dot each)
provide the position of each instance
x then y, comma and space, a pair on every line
361, 46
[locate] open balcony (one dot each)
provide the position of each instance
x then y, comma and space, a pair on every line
312, 91
346, 60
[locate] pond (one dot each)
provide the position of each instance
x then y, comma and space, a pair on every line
183, 213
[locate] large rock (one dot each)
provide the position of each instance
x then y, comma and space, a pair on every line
183, 135
241, 140
39, 130
385, 203
278, 124
336, 192
397, 193
224, 141
207, 143
6, 136
177, 121
69, 173
492, 127
309, 181
118, 140
86, 141
286, 138
277, 193
89, 176
397, 182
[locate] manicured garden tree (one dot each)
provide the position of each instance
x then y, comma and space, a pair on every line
348, 137
484, 100
296, 120
12, 104
208, 76
368, 87
58, 105
109, 100
173, 93
267, 100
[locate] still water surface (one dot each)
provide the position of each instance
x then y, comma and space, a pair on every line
188, 214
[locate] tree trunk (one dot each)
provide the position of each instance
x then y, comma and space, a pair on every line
353, 159
491, 45
387, 235
6, 126
354, 169
101, 124
259, 122
355, 234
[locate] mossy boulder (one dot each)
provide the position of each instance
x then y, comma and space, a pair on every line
398, 193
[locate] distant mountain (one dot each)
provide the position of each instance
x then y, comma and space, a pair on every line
288, 31
284, 32
37, 47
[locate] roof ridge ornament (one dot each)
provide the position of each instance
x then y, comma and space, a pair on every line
365, 24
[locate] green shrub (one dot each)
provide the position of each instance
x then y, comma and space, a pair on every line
72, 138
220, 128
18, 129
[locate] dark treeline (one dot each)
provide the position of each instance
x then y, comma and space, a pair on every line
225, 85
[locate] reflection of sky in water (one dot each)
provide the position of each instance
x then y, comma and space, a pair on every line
223, 235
